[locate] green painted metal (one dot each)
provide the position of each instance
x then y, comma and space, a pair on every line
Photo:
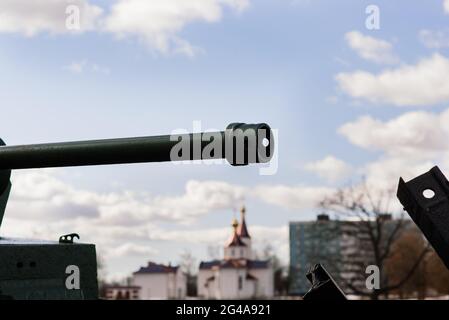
123, 150
31, 269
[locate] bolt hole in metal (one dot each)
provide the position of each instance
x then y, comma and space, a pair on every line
265, 142
428, 194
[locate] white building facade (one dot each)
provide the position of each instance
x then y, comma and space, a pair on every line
157, 281
237, 275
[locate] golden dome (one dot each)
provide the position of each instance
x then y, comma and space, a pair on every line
235, 223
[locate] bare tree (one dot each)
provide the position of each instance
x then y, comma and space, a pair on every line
281, 278
431, 277
406, 249
188, 264
437, 275
370, 232
101, 275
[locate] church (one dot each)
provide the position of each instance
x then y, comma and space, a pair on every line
238, 275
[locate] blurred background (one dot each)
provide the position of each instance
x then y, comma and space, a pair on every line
358, 92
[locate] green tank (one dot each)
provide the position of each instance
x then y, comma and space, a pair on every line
64, 269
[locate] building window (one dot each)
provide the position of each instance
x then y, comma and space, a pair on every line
241, 252
232, 252
240, 282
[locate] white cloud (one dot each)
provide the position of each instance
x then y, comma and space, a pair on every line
292, 197
411, 144
50, 198
96, 68
199, 199
434, 39
128, 224
212, 235
158, 23
32, 17
384, 173
277, 237
129, 250
418, 134
78, 67
423, 84
446, 6
112, 218
330, 168
371, 49
238, 5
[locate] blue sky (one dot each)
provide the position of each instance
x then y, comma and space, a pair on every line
220, 61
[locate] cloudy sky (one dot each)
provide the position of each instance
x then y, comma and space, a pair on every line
348, 101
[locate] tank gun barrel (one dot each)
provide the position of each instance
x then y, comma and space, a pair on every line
144, 149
